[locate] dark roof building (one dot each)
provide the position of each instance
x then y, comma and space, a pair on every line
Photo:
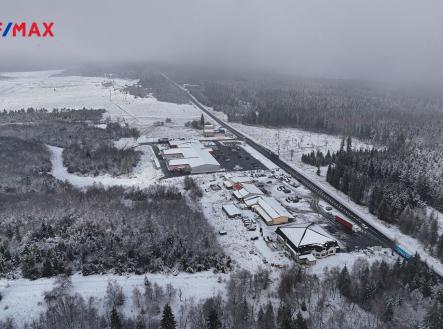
305, 239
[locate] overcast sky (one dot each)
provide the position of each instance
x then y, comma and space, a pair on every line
367, 39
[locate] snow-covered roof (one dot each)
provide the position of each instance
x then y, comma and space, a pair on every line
262, 213
306, 234
186, 143
252, 201
251, 189
238, 179
231, 209
308, 257
247, 191
273, 208
195, 155
227, 183
184, 152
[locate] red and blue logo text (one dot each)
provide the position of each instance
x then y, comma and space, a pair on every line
27, 29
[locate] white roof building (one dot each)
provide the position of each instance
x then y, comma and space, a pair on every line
231, 210
190, 156
270, 210
247, 191
308, 238
185, 143
208, 130
237, 179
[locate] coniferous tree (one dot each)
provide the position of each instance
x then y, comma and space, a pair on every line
213, 321
269, 322
300, 322
140, 322
168, 319
284, 318
435, 316
115, 319
388, 312
344, 283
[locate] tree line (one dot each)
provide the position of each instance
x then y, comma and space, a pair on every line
375, 295
329, 106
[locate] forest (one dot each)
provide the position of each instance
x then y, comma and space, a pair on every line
156, 85
395, 183
49, 228
101, 231
89, 150
378, 296
342, 107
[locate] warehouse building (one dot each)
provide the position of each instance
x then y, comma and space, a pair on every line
190, 156
245, 191
269, 209
304, 239
231, 210
208, 130
231, 180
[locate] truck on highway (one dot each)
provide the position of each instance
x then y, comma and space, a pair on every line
347, 224
402, 252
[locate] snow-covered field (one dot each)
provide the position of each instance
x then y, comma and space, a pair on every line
23, 299
341, 260
43, 89
299, 142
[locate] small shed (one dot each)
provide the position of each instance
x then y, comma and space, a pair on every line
231, 210
308, 259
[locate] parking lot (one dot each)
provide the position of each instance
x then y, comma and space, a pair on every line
233, 157
229, 155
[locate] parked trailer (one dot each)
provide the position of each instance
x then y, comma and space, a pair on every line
347, 224
402, 252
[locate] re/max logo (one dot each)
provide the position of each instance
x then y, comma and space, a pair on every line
28, 30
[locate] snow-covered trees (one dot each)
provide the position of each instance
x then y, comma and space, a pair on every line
92, 231
168, 319
100, 159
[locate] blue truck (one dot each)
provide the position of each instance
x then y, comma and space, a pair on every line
402, 252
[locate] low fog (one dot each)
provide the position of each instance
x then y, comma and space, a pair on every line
398, 40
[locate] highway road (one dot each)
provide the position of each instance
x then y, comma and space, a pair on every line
298, 175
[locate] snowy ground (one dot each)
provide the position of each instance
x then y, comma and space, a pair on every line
305, 142
42, 89
237, 243
341, 260
23, 299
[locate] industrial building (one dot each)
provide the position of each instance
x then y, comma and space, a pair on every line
231, 210
272, 212
245, 191
304, 239
208, 130
231, 180
189, 156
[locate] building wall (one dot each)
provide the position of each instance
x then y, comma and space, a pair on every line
280, 220
318, 254
205, 168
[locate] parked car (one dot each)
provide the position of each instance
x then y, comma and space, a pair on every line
222, 232
251, 227
254, 238
293, 199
